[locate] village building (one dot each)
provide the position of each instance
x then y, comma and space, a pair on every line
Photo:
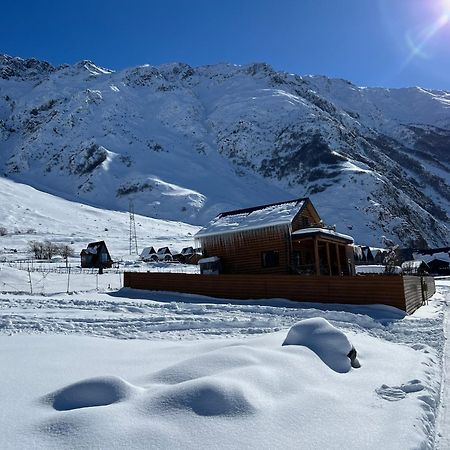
164, 254
415, 267
96, 255
438, 260
148, 254
279, 238
188, 255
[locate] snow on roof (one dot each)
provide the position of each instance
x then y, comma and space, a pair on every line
253, 218
211, 259
376, 268
326, 231
147, 252
442, 256
409, 265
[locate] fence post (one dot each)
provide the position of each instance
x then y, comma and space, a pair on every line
68, 279
29, 280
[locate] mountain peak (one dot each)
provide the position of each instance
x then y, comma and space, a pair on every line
185, 143
31, 68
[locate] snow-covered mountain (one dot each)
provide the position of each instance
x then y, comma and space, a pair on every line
185, 143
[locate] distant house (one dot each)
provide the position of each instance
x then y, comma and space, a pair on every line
187, 251
438, 260
148, 254
285, 237
185, 256
439, 267
164, 254
415, 267
96, 255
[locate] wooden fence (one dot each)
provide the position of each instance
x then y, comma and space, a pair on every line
404, 292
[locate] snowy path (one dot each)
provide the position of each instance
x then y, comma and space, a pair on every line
443, 425
168, 315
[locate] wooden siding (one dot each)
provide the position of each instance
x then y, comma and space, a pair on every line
400, 292
310, 213
415, 293
241, 252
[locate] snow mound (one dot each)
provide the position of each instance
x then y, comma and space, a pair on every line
330, 344
205, 397
207, 365
100, 391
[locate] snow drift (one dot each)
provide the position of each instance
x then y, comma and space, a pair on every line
326, 341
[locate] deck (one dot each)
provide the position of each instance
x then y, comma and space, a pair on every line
404, 292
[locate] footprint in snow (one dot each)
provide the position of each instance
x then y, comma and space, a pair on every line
395, 393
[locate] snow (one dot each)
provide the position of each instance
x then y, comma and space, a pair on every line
29, 214
136, 369
377, 269
324, 231
412, 265
159, 135
330, 344
270, 216
442, 256
211, 259
88, 364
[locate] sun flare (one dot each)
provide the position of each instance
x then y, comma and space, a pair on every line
445, 5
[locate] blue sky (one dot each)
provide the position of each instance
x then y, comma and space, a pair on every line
370, 42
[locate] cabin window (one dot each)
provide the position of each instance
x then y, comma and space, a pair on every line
104, 257
305, 222
270, 259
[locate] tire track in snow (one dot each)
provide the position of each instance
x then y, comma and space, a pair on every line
130, 318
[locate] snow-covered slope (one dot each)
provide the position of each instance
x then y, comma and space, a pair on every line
185, 143
28, 214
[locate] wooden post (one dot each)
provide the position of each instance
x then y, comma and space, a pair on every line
316, 256
328, 258
338, 259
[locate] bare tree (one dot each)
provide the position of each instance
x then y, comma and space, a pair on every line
50, 249
391, 260
66, 251
37, 248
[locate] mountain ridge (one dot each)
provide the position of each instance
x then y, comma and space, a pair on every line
185, 143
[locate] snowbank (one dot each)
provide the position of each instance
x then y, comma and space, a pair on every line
326, 341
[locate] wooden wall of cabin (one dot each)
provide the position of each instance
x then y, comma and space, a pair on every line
307, 213
241, 253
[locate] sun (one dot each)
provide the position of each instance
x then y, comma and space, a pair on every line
445, 5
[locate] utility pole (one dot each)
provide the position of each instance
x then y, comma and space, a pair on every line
133, 237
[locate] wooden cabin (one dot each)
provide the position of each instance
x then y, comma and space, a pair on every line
279, 238
148, 254
96, 255
164, 254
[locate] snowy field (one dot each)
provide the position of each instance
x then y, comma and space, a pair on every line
114, 369
86, 364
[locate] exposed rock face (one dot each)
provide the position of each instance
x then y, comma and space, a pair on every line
187, 142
